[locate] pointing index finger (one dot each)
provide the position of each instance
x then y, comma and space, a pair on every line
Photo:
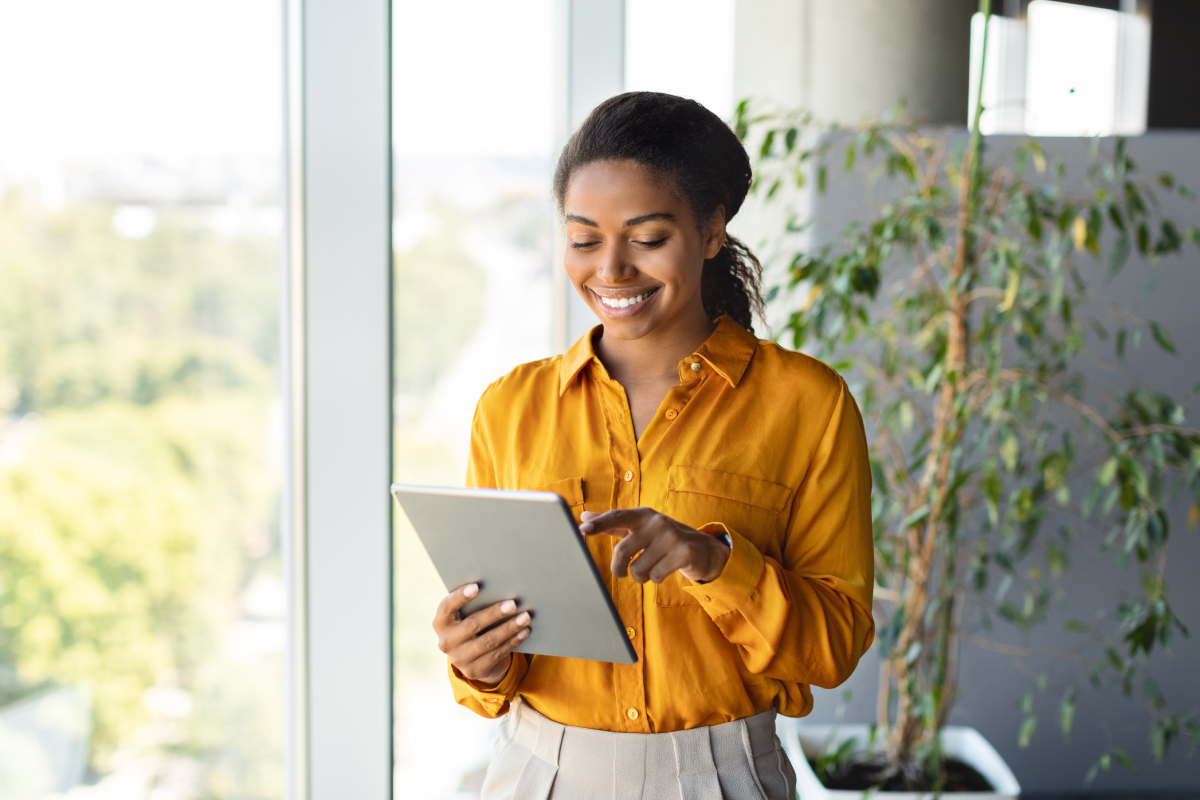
612, 521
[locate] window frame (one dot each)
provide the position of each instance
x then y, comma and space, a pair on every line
336, 340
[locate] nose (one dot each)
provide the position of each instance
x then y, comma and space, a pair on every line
615, 265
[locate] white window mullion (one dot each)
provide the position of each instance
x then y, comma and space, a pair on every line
338, 352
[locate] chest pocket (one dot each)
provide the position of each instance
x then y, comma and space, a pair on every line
569, 489
755, 508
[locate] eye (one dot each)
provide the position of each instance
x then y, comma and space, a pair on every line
651, 244
583, 245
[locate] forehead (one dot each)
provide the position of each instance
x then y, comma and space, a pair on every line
621, 188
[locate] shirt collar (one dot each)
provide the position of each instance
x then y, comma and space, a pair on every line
727, 350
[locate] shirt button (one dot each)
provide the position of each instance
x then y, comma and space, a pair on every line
629, 476
672, 413
630, 632
695, 366
632, 713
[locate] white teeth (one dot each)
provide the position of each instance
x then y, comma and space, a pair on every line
625, 302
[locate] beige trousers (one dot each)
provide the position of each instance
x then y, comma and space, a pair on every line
536, 758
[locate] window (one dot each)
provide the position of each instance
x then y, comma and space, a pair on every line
1064, 70
682, 47
473, 123
141, 599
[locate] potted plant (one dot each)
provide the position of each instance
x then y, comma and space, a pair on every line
963, 309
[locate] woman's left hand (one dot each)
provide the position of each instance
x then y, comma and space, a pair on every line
664, 544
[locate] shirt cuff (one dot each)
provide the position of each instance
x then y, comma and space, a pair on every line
493, 698
737, 580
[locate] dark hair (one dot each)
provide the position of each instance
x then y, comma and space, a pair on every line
706, 165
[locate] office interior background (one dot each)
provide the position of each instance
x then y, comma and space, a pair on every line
260, 257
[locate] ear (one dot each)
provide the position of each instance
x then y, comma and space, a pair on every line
714, 233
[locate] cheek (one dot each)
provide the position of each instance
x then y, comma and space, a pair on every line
676, 266
577, 264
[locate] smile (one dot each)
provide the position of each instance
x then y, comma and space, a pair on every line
625, 302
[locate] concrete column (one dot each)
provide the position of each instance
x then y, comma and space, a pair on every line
846, 59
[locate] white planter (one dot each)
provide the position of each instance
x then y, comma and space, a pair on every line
802, 742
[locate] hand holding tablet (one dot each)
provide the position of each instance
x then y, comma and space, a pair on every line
480, 644
514, 546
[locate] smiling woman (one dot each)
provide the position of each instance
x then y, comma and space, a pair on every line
721, 482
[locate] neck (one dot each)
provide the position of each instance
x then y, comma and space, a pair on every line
655, 356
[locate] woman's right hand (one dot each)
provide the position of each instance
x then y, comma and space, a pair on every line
482, 657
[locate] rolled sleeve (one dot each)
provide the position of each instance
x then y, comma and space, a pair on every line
488, 701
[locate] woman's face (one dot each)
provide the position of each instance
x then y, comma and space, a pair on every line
633, 251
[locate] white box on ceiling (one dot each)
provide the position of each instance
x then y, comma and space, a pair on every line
1087, 71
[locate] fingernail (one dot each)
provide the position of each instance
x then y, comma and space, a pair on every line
471, 590
508, 606
585, 527
524, 632
524, 618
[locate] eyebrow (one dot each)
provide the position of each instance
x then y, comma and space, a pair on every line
629, 223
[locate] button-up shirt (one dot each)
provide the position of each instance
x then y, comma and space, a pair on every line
757, 441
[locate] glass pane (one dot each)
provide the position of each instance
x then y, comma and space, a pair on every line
682, 47
141, 603
473, 111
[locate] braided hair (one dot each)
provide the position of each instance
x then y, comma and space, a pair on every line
706, 166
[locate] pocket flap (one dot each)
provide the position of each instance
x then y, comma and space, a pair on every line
569, 489
728, 486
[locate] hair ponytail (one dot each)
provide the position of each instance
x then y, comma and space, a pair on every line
706, 165
731, 284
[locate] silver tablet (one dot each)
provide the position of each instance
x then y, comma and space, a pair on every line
523, 546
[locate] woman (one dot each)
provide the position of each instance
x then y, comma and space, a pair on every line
722, 483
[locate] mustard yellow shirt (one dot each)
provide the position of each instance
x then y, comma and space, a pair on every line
761, 442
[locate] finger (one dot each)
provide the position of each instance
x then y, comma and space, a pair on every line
463, 630
658, 549
616, 520
488, 662
586, 515
627, 549
448, 608
673, 561
496, 638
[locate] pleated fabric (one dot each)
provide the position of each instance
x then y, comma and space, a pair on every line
536, 758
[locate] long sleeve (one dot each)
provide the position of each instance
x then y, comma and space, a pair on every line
807, 619
485, 701
756, 440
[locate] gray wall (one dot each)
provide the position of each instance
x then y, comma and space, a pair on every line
992, 683
846, 59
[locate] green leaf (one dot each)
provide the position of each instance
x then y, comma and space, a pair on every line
915, 517
1066, 712
768, 142
1124, 760
1028, 726
1162, 337
1108, 472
